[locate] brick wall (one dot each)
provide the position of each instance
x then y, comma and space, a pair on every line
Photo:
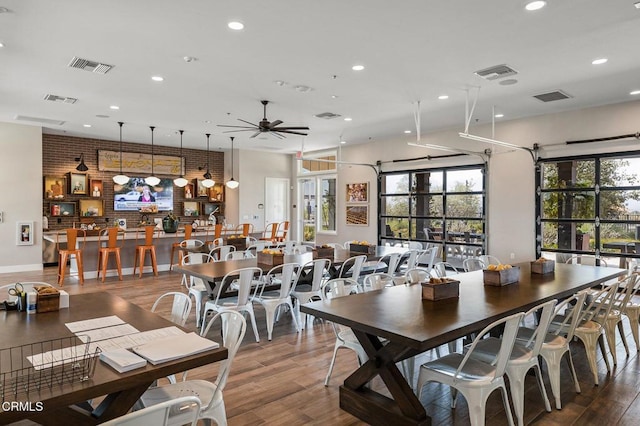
59, 151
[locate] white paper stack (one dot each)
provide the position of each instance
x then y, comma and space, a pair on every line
122, 360
174, 347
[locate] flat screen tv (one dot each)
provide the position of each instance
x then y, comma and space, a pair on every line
136, 195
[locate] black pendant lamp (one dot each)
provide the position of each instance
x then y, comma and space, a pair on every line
208, 182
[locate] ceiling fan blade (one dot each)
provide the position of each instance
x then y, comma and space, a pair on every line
289, 128
248, 122
289, 132
240, 127
275, 123
255, 134
241, 130
278, 135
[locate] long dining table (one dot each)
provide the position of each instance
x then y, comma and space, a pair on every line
410, 326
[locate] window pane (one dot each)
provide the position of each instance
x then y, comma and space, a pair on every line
617, 232
395, 184
308, 193
568, 205
467, 231
427, 205
328, 194
568, 236
464, 205
396, 227
569, 174
395, 206
427, 182
464, 180
620, 171
619, 205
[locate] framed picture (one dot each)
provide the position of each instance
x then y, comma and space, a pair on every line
201, 190
77, 183
55, 187
63, 209
24, 233
91, 208
358, 192
358, 215
209, 208
96, 188
188, 191
216, 192
191, 208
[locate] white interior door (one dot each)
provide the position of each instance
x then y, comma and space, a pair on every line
276, 200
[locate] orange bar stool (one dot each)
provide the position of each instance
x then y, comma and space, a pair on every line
188, 229
245, 229
217, 232
142, 249
74, 248
111, 240
282, 230
270, 232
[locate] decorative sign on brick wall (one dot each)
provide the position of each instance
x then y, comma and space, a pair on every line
136, 162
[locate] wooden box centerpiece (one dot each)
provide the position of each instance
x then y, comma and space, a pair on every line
543, 266
323, 252
362, 247
48, 299
440, 288
501, 275
271, 257
238, 241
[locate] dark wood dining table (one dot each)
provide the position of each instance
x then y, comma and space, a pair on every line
411, 326
65, 404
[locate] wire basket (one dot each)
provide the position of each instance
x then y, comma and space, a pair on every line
27, 370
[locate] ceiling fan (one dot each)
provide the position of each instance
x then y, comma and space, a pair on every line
265, 126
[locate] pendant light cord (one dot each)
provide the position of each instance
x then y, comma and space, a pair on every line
152, 129
120, 123
181, 172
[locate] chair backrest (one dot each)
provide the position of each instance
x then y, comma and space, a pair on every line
282, 230
441, 268
233, 328
220, 252
629, 287
415, 245
111, 237
582, 259
377, 281
352, 267
602, 300
488, 259
392, 260
236, 255
567, 315
472, 264
184, 410
180, 307
410, 258
145, 236
192, 259
506, 346
545, 316
245, 278
245, 229
287, 246
256, 247
287, 274
251, 241
416, 275
338, 287
427, 257
76, 238
320, 269
188, 229
191, 243
270, 231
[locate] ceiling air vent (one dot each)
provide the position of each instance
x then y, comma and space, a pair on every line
496, 72
62, 99
87, 65
327, 115
556, 95
39, 120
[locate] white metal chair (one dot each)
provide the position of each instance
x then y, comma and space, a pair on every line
335, 245
416, 275
377, 281
556, 342
178, 411
408, 260
441, 269
417, 245
341, 287
475, 379
584, 259
472, 264
524, 357
210, 394
195, 285
389, 263
304, 294
287, 275
352, 267
632, 310
240, 303
427, 257
180, 306
220, 252
488, 259
236, 255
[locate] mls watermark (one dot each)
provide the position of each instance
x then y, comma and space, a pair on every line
27, 406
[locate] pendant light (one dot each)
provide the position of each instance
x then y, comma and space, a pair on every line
152, 180
120, 179
208, 182
232, 183
181, 181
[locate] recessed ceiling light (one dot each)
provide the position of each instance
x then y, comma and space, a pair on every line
334, 96
535, 5
235, 25
1, 44
443, 97
599, 61
302, 88
343, 142
114, 107
499, 115
207, 121
189, 59
407, 131
637, 4
635, 92
348, 119
157, 78
86, 125
357, 67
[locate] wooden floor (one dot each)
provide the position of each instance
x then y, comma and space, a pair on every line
282, 381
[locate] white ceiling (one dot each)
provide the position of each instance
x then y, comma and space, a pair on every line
413, 50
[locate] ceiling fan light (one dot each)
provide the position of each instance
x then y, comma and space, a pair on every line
121, 179
208, 183
152, 180
180, 182
232, 183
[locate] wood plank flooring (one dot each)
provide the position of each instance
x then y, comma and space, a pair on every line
282, 381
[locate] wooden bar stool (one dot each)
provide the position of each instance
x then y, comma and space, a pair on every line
282, 230
270, 232
244, 229
217, 232
113, 244
74, 248
142, 249
188, 229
